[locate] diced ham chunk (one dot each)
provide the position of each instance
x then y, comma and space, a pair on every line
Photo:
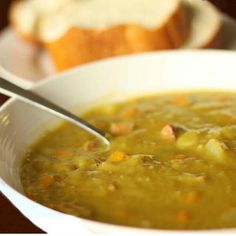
89, 145
121, 128
168, 132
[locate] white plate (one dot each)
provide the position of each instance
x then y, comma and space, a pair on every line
28, 61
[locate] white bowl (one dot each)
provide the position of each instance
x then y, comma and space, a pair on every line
86, 86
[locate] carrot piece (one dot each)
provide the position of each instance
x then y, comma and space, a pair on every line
193, 197
46, 181
183, 216
118, 156
63, 153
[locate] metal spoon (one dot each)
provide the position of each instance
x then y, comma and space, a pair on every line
30, 97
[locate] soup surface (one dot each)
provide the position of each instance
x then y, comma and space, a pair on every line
171, 164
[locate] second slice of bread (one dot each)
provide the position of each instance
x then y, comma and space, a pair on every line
205, 25
86, 30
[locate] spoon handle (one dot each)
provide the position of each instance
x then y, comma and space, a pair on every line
13, 90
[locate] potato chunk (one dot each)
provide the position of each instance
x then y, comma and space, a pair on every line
217, 150
188, 140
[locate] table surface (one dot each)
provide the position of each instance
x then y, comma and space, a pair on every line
11, 220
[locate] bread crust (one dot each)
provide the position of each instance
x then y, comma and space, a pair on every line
80, 46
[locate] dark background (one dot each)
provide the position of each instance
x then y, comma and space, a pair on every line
11, 220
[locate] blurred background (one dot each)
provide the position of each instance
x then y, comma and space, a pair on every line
11, 220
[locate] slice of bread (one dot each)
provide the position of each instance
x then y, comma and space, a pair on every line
205, 25
84, 44
80, 31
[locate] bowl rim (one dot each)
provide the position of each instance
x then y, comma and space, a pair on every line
171, 52
4, 187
